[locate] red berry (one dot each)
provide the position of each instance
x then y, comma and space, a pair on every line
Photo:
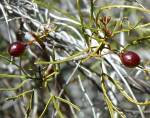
130, 59
16, 49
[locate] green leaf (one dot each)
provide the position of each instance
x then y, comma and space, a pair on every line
56, 105
69, 58
17, 87
4, 76
48, 102
68, 102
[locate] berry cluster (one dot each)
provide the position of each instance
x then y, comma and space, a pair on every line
129, 58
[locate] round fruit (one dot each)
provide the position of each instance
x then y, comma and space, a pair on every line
16, 49
130, 59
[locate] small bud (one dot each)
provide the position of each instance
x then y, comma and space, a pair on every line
107, 32
105, 20
88, 31
101, 34
29, 36
19, 35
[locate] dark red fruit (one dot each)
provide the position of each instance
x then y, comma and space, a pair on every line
130, 59
16, 49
